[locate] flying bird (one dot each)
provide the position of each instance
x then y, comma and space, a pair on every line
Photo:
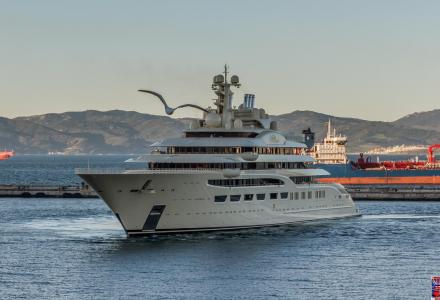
170, 110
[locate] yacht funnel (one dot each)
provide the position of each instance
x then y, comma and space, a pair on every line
249, 101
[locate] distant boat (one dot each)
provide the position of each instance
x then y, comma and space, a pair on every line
331, 156
6, 154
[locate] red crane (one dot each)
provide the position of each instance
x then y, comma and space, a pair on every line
431, 157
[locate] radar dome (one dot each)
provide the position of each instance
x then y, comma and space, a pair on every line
213, 120
219, 78
234, 79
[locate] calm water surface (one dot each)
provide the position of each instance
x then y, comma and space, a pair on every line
76, 249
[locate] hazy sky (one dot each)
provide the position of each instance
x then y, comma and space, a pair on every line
376, 60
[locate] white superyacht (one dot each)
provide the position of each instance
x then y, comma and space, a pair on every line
230, 170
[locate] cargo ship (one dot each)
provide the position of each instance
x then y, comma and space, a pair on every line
330, 154
6, 154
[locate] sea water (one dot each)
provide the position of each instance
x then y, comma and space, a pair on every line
76, 249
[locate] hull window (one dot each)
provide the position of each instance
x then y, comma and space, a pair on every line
220, 198
284, 195
235, 198
248, 197
273, 195
261, 196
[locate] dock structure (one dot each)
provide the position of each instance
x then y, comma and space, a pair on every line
47, 191
408, 193
371, 193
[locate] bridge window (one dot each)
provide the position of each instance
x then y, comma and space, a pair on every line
301, 179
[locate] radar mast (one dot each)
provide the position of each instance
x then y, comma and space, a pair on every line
222, 88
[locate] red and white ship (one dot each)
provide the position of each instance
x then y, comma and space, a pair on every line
330, 155
6, 154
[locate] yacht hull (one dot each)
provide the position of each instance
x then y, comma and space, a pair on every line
158, 203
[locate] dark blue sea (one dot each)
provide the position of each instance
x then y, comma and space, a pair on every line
76, 249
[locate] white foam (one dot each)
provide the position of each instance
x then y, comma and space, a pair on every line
400, 216
79, 227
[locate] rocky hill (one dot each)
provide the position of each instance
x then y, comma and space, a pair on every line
131, 132
429, 120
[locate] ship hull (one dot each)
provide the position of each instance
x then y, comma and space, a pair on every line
346, 174
148, 203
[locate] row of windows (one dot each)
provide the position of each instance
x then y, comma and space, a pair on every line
301, 179
245, 182
235, 150
257, 181
272, 196
307, 195
242, 166
221, 134
236, 198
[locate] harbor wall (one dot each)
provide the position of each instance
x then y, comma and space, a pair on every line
47, 191
385, 180
358, 192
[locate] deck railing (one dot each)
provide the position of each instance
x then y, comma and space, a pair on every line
139, 171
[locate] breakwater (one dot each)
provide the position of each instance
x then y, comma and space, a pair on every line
412, 193
47, 191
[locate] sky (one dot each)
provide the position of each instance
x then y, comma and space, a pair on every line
375, 60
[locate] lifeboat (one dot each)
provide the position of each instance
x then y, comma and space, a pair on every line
6, 154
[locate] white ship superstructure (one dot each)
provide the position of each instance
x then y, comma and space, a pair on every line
332, 150
231, 169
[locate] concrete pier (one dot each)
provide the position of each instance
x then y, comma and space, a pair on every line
412, 193
45, 191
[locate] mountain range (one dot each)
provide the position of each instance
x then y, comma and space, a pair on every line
120, 132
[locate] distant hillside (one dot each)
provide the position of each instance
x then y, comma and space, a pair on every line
131, 132
362, 134
87, 132
429, 120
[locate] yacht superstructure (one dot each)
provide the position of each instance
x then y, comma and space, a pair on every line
231, 169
